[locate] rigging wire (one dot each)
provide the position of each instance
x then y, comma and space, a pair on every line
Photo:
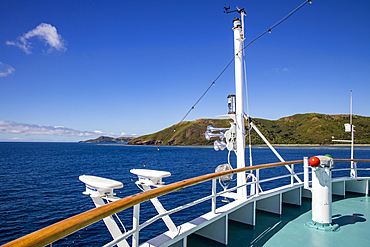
74, 240
174, 130
278, 23
124, 228
214, 83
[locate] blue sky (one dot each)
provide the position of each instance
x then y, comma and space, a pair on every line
73, 70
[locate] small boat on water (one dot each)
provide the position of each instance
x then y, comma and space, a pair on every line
309, 208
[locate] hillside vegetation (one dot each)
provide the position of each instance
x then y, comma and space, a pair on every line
107, 139
310, 128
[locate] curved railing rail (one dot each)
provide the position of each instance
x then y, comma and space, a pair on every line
68, 226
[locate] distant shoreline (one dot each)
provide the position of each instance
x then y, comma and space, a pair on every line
260, 145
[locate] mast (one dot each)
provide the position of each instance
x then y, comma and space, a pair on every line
353, 172
239, 118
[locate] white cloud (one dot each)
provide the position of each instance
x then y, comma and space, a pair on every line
10, 127
5, 69
46, 33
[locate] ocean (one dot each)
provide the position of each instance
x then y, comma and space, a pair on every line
40, 186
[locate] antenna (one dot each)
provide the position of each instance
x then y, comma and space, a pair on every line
227, 10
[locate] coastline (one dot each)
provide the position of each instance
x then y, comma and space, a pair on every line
255, 146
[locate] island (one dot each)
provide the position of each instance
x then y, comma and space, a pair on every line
107, 139
299, 129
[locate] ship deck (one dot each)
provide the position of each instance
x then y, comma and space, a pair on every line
351, 213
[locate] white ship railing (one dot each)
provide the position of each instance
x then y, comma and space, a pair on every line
63, 228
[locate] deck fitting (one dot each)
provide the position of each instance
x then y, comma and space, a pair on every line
327, 227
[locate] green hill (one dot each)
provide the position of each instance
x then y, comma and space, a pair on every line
311, 128
107, 139
187, 133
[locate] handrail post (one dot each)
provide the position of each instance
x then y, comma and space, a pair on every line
306, 173
135, 225
292, 175
353, 169
257, 184
214, 183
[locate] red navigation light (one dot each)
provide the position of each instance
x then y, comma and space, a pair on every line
314, 161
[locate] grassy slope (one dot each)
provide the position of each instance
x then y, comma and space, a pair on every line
187, 133
311, 128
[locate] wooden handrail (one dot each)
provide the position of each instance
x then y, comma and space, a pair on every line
65, 227
356, 160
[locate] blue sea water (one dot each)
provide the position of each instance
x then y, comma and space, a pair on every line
40, 186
